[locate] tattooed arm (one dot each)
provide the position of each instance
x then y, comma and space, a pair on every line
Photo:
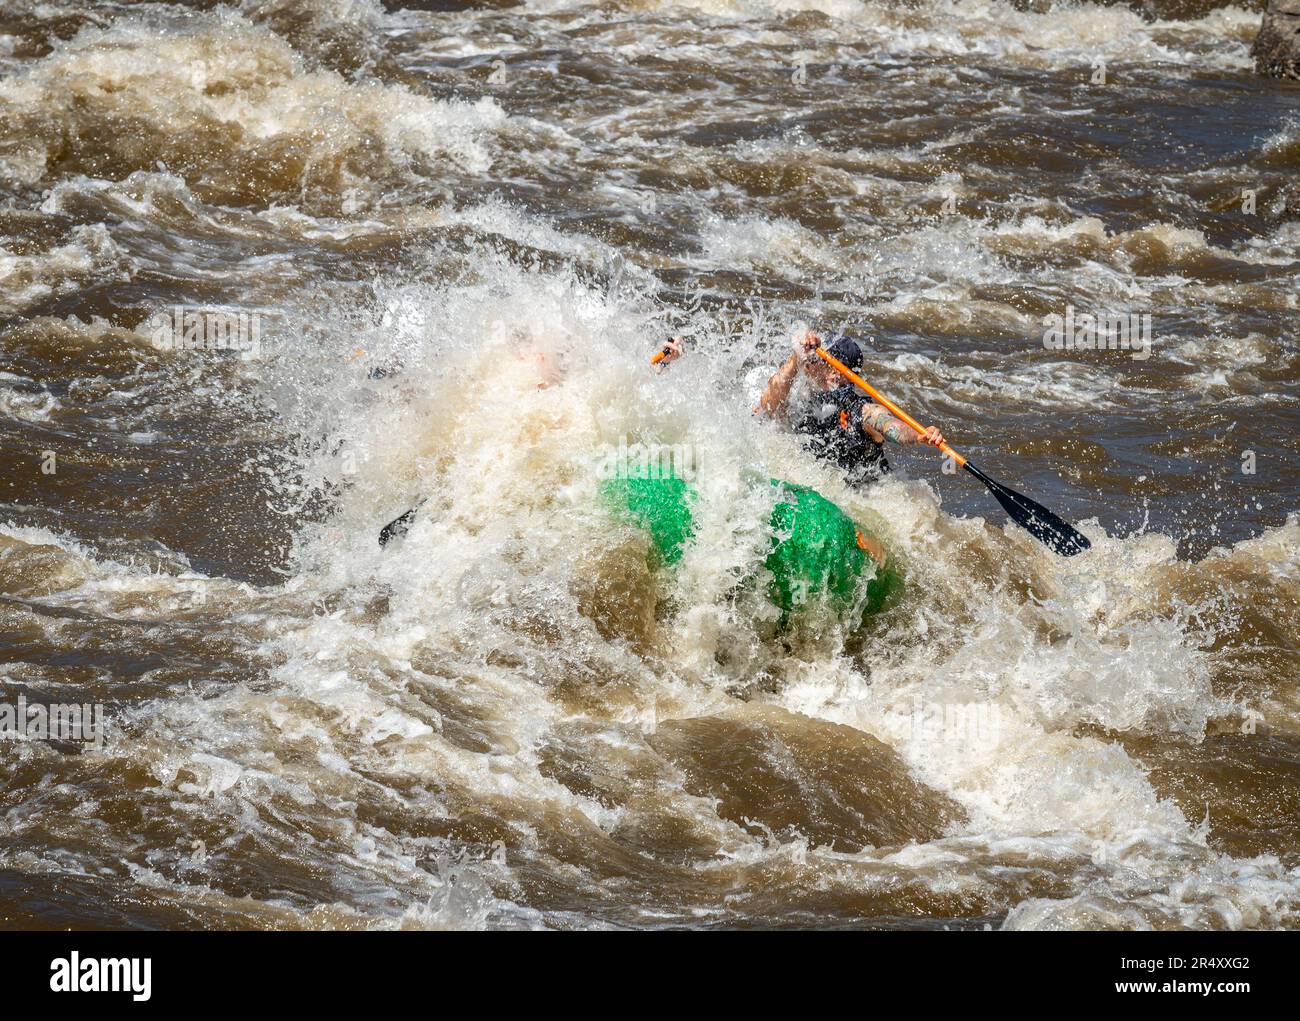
880, 425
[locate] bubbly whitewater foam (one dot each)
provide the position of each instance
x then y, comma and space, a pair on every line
233, 105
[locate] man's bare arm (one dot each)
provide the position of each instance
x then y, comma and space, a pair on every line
668, 352
778, 387
880, 425
777, 391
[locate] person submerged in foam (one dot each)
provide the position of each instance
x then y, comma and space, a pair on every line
840, 422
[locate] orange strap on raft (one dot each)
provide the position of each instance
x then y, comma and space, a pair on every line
883, 401
872, 548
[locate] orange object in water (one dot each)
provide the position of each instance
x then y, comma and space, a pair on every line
872, 548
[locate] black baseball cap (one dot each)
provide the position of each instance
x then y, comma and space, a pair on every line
846, 350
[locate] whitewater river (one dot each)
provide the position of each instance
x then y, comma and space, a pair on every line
508, 718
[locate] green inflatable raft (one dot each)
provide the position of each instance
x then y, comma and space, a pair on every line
818, 553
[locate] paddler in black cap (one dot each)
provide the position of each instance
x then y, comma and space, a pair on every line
841, 423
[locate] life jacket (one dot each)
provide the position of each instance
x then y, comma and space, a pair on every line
832, 422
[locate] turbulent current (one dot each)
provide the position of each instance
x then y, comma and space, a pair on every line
510, 716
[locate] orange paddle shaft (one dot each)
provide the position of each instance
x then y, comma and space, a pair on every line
883, 401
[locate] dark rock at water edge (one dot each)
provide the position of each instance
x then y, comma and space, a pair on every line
1277, 47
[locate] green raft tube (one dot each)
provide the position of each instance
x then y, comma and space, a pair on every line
818, 553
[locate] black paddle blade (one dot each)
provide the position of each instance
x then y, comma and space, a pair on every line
399, 525
1034, 518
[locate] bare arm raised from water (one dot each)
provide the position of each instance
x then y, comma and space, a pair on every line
669, 351
777, 392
